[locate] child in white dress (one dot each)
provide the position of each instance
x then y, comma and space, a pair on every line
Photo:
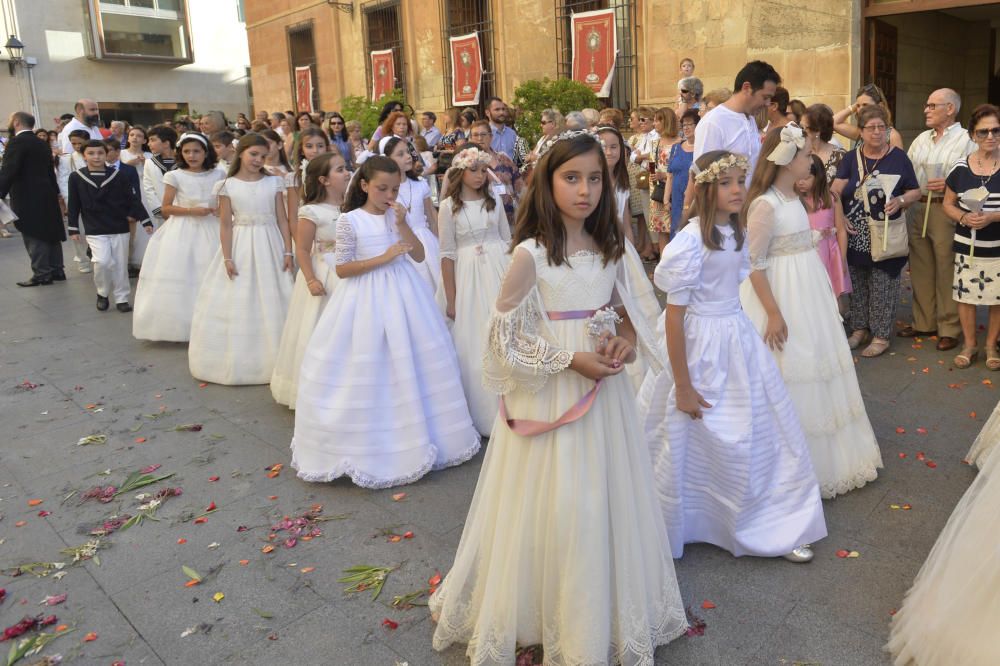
277, 164
180, 252
790, 300
242, 302
731, 460
415, 196
380, 392
564, 544
475, 237
325, 184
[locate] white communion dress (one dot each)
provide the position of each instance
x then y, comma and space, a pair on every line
305, 309
477, 240
564, 544
176, 260
815, 361
380, 392
986, 441
740, 477
413, 194
951, 614
237, 323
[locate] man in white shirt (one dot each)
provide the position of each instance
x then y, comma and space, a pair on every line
730, 125
932, 260
88, 117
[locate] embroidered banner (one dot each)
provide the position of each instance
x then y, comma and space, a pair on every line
304, 89
383, 73
595, 47
466, 70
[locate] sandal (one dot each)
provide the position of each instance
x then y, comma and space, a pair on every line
992, 359
876, 348
858, 338
967, 357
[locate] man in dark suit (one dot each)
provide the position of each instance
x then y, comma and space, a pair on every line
28, 174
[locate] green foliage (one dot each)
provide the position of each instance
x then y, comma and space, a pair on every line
356, 107
532, 97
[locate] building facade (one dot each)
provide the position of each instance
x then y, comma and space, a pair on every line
144, 61
824, 51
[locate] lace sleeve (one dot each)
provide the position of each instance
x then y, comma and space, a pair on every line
519, 350
760, 228
679, 272
346, 241
446, 230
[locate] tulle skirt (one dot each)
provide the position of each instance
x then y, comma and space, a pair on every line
740, 477
380, 392
951, 614
175, 263
986, 441
818, 369
237, 323
641, 289
303, 313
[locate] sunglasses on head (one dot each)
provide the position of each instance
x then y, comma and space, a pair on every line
872, 92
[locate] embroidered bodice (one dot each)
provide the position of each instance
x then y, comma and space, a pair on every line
777, 226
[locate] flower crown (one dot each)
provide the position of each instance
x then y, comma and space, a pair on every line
712, 172
567, 136
470, 157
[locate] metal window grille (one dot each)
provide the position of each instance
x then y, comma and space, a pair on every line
302, 53
625, 84
384, 30
463, 17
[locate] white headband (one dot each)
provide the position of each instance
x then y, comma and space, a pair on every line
384, 140
192, 135
792, 141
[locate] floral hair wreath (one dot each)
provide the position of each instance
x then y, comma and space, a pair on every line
714, 170
470, 157
567, 136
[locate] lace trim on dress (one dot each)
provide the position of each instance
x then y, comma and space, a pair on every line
800, 241
517, 355
347, 242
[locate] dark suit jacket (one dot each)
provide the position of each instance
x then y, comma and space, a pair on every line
131, 176
28, 174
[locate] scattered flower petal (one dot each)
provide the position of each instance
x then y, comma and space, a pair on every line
210, 507
389, 624
213, 545
213, 478
200, 520
35, 502
21, 523
906, 507
267, 549
307, 569
140, 440
853, 554
900, 430
90, 637
435, 580
51, 600
399, 497
902, 455
218, 596
43, 513
931, 464
707, 605
182, 541
920, 456
972, 415
202, 385
843, 553
243, 563
921, 431
408, 535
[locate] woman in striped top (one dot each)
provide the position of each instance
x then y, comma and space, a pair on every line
977, 235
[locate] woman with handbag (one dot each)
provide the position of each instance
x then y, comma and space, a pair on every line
665, 124
876, 184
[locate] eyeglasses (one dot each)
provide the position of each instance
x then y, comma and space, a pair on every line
643, 120
685, 92
687, 125
874, 128
545, 122
336, 122
477, 135
931, 106
989, 131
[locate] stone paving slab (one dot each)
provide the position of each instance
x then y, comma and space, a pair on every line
93, 377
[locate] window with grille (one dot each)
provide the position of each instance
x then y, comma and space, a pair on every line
383, 31
463, 17
625, 84
302, 53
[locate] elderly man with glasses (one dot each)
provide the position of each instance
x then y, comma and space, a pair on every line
932, 257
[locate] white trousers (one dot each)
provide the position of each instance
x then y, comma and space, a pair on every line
110, 257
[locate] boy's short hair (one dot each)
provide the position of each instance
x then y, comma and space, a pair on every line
94, 143
165, 134
225, 137
112, 144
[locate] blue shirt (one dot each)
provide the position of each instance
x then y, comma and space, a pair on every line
432, 136
503, 140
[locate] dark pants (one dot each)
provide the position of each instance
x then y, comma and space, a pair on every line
46, 257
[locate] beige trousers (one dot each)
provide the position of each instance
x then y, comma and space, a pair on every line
932, 269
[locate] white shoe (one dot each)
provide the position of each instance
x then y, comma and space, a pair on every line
76, 258
86, 268
800, 555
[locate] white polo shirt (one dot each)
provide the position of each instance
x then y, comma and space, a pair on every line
724, 129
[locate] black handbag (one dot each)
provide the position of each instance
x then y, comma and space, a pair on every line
659, 192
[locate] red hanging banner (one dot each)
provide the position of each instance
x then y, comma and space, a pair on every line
383, 73
466, 70
304, 89
595, 47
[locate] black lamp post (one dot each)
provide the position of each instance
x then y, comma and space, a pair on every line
14, 49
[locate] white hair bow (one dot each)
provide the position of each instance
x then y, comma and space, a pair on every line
792, 141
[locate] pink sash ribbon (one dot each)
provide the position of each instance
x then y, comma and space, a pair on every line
530, 428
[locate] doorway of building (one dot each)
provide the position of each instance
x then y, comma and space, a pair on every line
913, 47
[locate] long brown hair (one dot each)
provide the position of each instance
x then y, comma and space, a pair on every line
620, 174
274, 136
539, 218
248, 141
764, 173
453, 186
313, 190
818, 195
303, 135
706, 198
356, 197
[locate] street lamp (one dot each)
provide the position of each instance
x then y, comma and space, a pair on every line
14, 49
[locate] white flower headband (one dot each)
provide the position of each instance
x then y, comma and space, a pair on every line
792, 141
566, 136
470, 157
714, 170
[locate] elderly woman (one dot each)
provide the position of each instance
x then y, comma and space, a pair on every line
876, 283
817, 123
869, 95
504, 177
714, 98
973, 182
552, 125
356, 141
212, 122
576, 121
689, 89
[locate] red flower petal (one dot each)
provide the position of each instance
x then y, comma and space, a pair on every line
43, 513
150, 469
921, 456
707, 605
210, 507
843, 553
90, 637
921, 431
435, 580
201, 520
931, 464
902, 455
900, 430
389, 624
213, 478
408, 535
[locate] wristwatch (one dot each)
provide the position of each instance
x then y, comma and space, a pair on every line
902, 201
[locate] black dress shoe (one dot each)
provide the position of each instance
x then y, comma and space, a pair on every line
124, 307
910, 332
59, 276
34, 283
103, 303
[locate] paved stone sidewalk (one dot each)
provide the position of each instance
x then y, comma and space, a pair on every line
285, 606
